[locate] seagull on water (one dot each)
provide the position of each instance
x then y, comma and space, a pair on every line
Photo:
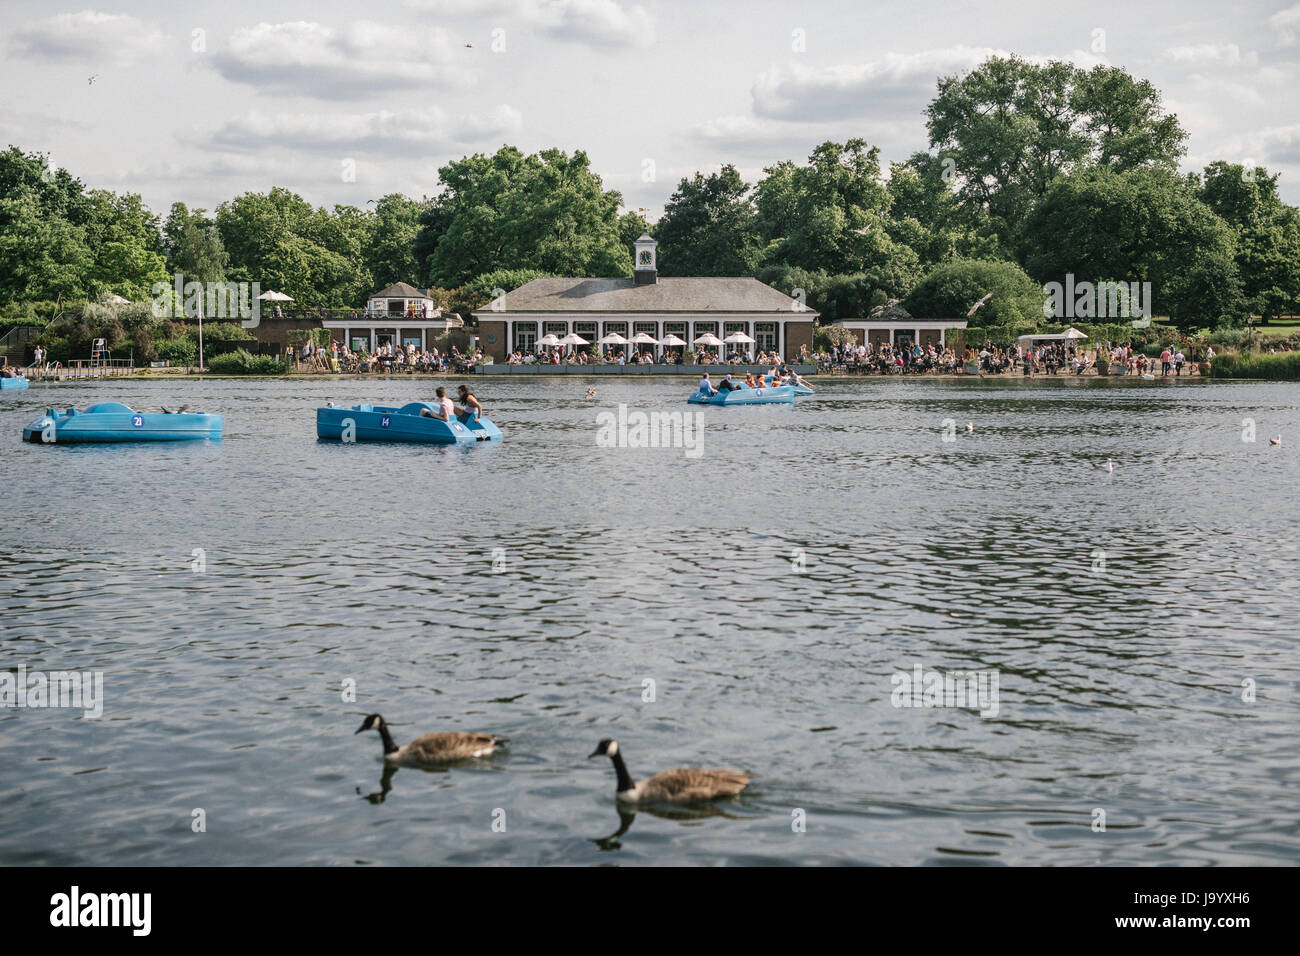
969, 428
1108, 467
1277, 440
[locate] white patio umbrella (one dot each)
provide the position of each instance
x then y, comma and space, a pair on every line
573, 338
1073, 333
612, 339
708, 338
738, 338
671, 339
644, 338
273, 296
548, 339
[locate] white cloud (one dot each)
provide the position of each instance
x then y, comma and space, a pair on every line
1286, 24
409, 132
899, 84
1210, 54
96, 39
597, 23
316, 60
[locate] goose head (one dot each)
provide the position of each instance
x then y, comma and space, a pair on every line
606, 748
372, 722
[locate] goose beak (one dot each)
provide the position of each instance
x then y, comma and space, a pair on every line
358, 730
595, 753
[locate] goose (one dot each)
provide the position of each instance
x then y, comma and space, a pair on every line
1109, 466
1277, 440
683, 785
432, 748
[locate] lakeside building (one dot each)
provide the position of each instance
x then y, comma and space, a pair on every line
399, 315
648, 304
893, 325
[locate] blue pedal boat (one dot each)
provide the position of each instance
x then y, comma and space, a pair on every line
113, 421
406, 424
746, 396
798, 389
16, 382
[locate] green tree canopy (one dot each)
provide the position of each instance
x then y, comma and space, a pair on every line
546, 211
1141, 225
709, 227
952, 289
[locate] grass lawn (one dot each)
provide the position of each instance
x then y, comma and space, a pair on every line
1283, 326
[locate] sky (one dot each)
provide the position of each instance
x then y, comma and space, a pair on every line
344, 102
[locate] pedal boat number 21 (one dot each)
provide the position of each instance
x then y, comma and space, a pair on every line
385, 423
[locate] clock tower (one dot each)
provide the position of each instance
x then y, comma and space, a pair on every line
644, 258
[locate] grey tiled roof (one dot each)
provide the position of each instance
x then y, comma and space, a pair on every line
686, 294
400, 290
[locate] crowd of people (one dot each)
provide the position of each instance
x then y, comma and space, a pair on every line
1044, 358
386, 359
617, 356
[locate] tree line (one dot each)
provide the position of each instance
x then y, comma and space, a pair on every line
1033, 172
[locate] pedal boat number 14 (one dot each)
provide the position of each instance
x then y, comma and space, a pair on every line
405, 424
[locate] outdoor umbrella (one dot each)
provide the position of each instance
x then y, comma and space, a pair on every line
1073, 333
273, 296
613, 339
671, 339
708, 338
573, 338
548, 339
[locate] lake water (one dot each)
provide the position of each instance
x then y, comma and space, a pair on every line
1142, 626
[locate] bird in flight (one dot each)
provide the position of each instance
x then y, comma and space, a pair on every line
978, 305
92, 78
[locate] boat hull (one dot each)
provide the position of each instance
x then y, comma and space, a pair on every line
782, 394
115, 422
7, 383
383, 423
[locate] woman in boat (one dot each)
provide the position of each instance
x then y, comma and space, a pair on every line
470, 407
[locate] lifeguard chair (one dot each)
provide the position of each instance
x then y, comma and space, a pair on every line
98, 353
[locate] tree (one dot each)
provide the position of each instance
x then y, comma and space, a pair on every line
1012, 128
710, 227
1268, 235
951, 289
925, 215
389, 249
547, 211
1141, 225
193, 245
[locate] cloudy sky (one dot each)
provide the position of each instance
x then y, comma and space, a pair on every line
344, 102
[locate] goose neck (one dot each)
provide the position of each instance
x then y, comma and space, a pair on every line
620, 768
389, 746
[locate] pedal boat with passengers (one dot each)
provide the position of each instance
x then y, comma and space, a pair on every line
744, 395
386, 423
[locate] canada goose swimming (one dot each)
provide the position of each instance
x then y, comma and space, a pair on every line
683, 785
432, 748
1109, 466
1275, 441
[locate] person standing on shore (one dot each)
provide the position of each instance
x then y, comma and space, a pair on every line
1179, 359
1165, 359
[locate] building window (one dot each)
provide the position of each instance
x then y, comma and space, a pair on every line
526, 337
704, 328
588, 331
558, 329
675, 328
765, 336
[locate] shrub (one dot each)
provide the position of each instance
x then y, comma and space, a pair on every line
1284, 366
177, 351
241, 362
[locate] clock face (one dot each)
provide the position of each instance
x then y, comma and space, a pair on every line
646, 257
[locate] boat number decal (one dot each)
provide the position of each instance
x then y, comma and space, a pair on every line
758, 391
384, 421
137, 421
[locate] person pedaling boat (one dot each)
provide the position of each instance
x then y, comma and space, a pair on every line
470, 408
445, 407
706, 387
726, 385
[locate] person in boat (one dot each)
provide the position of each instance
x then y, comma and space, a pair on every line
706, 387
8, 371
470, 408
749, 380
445, 408
726, 385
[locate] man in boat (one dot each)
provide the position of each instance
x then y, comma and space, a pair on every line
8, 371
445, 408
726, 385
706, 387
470, 408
